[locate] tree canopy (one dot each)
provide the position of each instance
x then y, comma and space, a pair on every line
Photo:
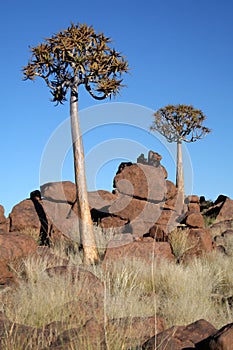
77, 55
180, 123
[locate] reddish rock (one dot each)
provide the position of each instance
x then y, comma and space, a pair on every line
180, 338
62, 219
219, 227
171, 190
13, 246
142, 181
64, 191
56, 218
16, 244
3, 220
6, 276
101, 199
192, 199
194, 208
195, 220
143, 249
113, 222
222, 339
226, 210
138, 227
200, 241
130, 209
24, 216
159, 233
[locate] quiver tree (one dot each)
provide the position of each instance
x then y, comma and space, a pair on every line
180, 123
73, 57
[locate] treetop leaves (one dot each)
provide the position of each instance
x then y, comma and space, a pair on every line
180, 123
77, 51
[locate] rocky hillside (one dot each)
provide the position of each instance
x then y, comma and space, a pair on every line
143, 212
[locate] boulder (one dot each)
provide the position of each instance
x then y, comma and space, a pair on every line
47, 218
221, 210
12, 246
195, 220
193, 208
101, 200
200, 241
142, 181
114, 222
130, 209
226, 210
167, 221
62, 219
64, 191
222, 339
181, 337
24, 216
144, 249
171, 191
3, 220
219, 227
192, 199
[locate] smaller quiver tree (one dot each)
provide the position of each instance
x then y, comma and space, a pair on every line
73, 57
178, 123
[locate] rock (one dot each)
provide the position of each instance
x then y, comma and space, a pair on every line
114, 222
171, 190
145, 249
142, 181
120, 239
6, 276
194, 220
64, 191
226, 210
180, 338
220, 340
12, 246
200, 242
193, 208
16, 244
227, 234
130, 209
192, 199
219, 227
101, 200
24, 216
221, 210
62, 219
46, 218
3, 220
164, 225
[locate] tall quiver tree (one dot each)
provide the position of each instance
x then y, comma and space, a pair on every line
73, 57
177, 124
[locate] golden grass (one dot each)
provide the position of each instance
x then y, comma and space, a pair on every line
180, 293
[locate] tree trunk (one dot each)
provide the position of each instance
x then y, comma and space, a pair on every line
180, 175
85, 221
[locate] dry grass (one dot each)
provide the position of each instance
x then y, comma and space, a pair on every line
180, 293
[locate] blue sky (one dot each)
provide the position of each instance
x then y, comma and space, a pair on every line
178, 51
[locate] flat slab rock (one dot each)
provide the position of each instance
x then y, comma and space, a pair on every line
145, 249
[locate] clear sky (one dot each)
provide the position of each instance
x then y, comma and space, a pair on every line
179, 51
